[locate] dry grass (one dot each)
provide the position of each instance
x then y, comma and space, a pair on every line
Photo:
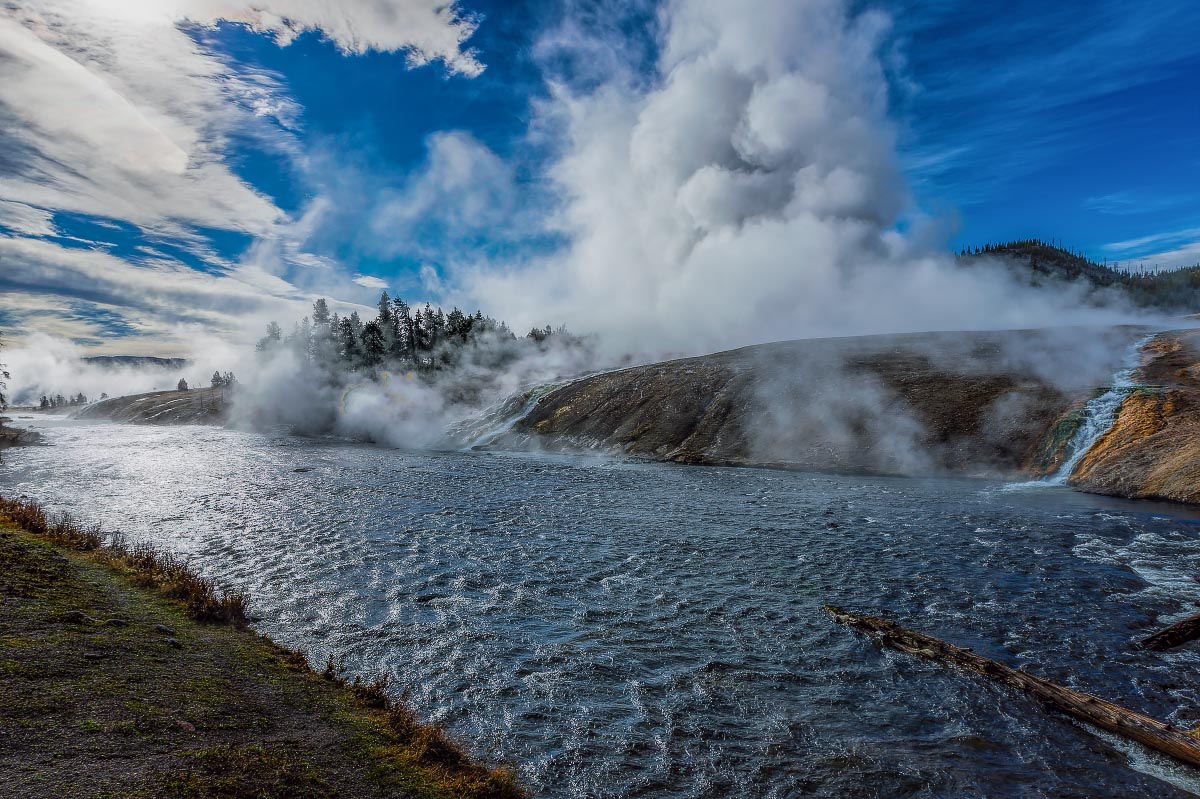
427, 746
165, 573
391, 737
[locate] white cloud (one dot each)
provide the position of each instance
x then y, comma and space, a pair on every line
1156, 240
1170, 250
151, 299
109, 108
426, 29
368, 282
26, 220
463, 196
114, 119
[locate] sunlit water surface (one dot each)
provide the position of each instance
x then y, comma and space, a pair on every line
635, 630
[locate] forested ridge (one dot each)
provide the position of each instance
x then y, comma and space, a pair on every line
1042, 264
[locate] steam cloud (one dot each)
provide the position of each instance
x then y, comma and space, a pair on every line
49, 365
751, 193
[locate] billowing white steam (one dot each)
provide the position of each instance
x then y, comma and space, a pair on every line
751, 193
47, 365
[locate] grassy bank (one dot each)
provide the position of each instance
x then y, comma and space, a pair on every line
123, 674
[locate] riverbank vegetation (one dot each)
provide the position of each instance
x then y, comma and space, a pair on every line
126, 674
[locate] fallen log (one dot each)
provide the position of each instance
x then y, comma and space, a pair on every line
1172, 636
1168, 739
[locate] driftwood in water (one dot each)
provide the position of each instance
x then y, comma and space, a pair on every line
1168, 739
1175, 635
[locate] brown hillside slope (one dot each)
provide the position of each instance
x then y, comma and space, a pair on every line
930, 403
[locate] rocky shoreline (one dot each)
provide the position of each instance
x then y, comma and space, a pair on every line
16, 436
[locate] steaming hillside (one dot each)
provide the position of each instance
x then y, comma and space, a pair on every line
999, 404
197, 406
954, 403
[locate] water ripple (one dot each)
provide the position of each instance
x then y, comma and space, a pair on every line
631, 630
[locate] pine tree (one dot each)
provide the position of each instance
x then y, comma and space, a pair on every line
458, 326
272, 339
320, 314
304, 337
374, 346
404, 344
385, 311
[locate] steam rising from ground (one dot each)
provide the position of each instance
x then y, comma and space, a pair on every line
394, 405
750, 193
47, 365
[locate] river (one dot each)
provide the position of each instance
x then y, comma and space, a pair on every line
625, 629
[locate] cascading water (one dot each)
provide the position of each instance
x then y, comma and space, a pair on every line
1100, 413
479, 431
484, 428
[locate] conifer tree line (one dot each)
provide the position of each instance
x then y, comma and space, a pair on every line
1160, 289
425, 340
59, 401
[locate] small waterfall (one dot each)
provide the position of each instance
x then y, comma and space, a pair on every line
1100, 413
487, 426
493, 422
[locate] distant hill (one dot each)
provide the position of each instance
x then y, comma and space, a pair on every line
1044, 264
136, 362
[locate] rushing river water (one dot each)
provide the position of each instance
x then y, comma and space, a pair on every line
636, 630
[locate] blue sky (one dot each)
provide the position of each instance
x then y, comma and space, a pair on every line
168, 170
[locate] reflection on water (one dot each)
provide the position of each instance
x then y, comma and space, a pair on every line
622, 629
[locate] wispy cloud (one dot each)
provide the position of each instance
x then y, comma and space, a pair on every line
118, 112
1171, 250
369, 282
26, 220
1156, 240
1131, 203
1001, 95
